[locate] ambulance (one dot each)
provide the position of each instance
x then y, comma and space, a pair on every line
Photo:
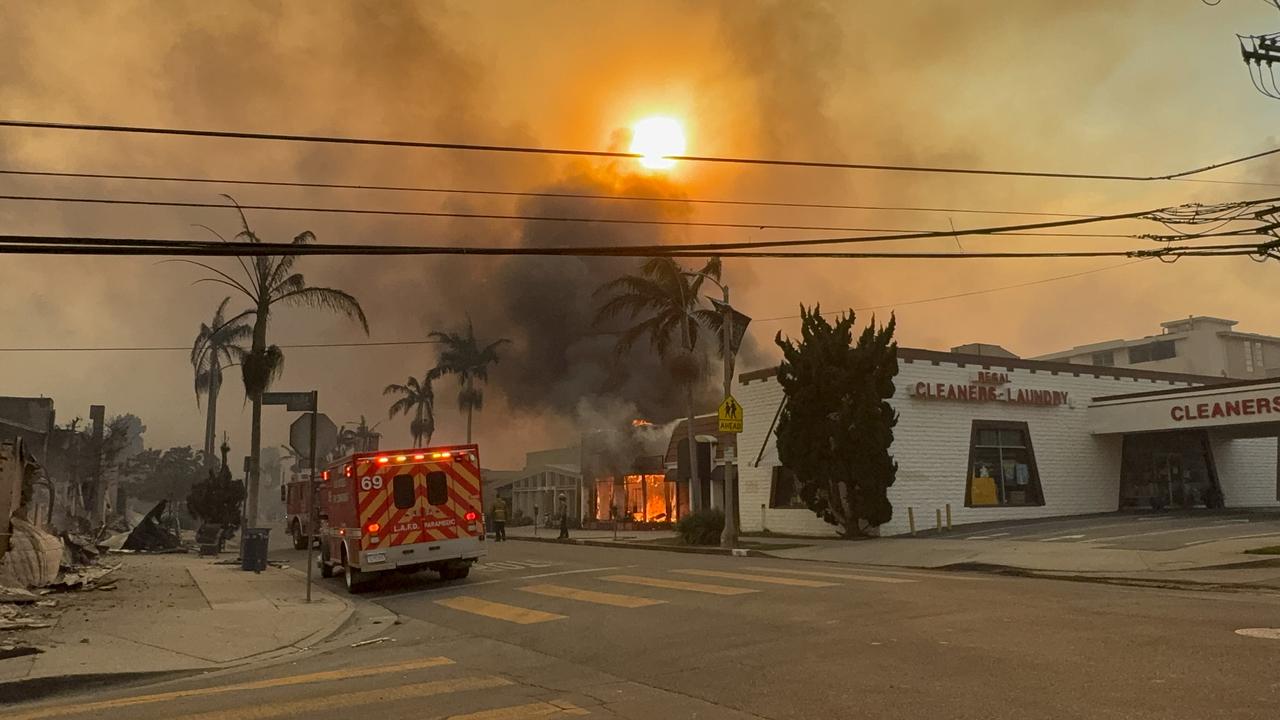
401, 510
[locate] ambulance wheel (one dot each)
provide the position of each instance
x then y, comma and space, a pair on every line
299, 540
354, 579
454, 572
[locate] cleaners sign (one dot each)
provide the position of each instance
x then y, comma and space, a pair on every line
989, 387
1192, 408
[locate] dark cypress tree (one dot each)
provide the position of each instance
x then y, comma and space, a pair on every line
836, 428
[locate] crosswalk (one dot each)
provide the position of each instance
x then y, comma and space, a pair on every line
580, 588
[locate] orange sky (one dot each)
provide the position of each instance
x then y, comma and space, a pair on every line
1129, 87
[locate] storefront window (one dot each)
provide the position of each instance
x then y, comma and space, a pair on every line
640, 498
1173, 469
1002, 466
784, 492
604, 499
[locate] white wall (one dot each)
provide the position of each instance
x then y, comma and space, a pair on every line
1246, 470
1079, 472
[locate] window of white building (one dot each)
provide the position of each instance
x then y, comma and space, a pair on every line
1002, 466
784, 492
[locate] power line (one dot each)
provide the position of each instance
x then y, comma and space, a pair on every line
531, 194
507, 216
969, 293
527, 150
187, 348
42, 245
70, 245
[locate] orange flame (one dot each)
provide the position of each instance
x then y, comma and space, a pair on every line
640, 422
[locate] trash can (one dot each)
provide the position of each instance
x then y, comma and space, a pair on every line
253, 555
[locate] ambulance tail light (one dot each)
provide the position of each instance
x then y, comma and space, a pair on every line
471, 516
372, 528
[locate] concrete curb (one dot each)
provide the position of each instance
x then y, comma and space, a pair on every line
30, 689
1094, 576
334, 627
691, 549
1162, 583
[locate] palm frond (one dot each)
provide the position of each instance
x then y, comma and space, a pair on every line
228, 280
403, 405
395, 388
243, 265
328, 299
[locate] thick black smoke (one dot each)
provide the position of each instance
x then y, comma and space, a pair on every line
548, 306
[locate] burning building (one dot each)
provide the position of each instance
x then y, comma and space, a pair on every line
624, 477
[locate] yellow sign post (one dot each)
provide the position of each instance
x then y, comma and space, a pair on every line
730, 416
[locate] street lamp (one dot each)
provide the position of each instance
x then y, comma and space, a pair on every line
729, 538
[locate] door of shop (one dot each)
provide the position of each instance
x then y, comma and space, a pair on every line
1168, 469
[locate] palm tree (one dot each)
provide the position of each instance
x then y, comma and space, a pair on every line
419, 398
662, 302
218, 346
462, 355
270, 281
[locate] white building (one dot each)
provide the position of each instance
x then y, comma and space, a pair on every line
1199, 345
546, 474
1001, 438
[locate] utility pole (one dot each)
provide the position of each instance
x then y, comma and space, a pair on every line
695, 484
96, 510
729, 538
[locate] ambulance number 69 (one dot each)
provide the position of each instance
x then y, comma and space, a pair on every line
371, 483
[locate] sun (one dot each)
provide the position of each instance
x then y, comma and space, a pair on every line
656, 139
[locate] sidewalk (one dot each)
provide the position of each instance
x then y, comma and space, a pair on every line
176, 613
1030, 555
1024, 555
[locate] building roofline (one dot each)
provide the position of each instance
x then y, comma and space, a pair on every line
987, 362
1243, 334
1234, 384
1193, 318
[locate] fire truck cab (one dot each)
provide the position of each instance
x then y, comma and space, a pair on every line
404, 510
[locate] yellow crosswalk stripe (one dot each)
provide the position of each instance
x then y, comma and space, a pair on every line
793, 582
841, 576
363, 698
316, 677
498, 611
591, 596
679, 585
519, 712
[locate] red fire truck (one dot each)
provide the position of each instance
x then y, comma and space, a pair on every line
297, 520
404, 510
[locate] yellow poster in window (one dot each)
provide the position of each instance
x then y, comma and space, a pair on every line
982, 491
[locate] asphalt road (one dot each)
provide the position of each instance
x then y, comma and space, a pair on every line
542, 630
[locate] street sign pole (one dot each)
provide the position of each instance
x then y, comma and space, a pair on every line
729, 538
303, 402
311, 489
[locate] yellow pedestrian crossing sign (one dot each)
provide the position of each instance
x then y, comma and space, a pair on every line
730, 416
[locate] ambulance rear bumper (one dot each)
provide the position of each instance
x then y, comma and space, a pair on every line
420, 554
